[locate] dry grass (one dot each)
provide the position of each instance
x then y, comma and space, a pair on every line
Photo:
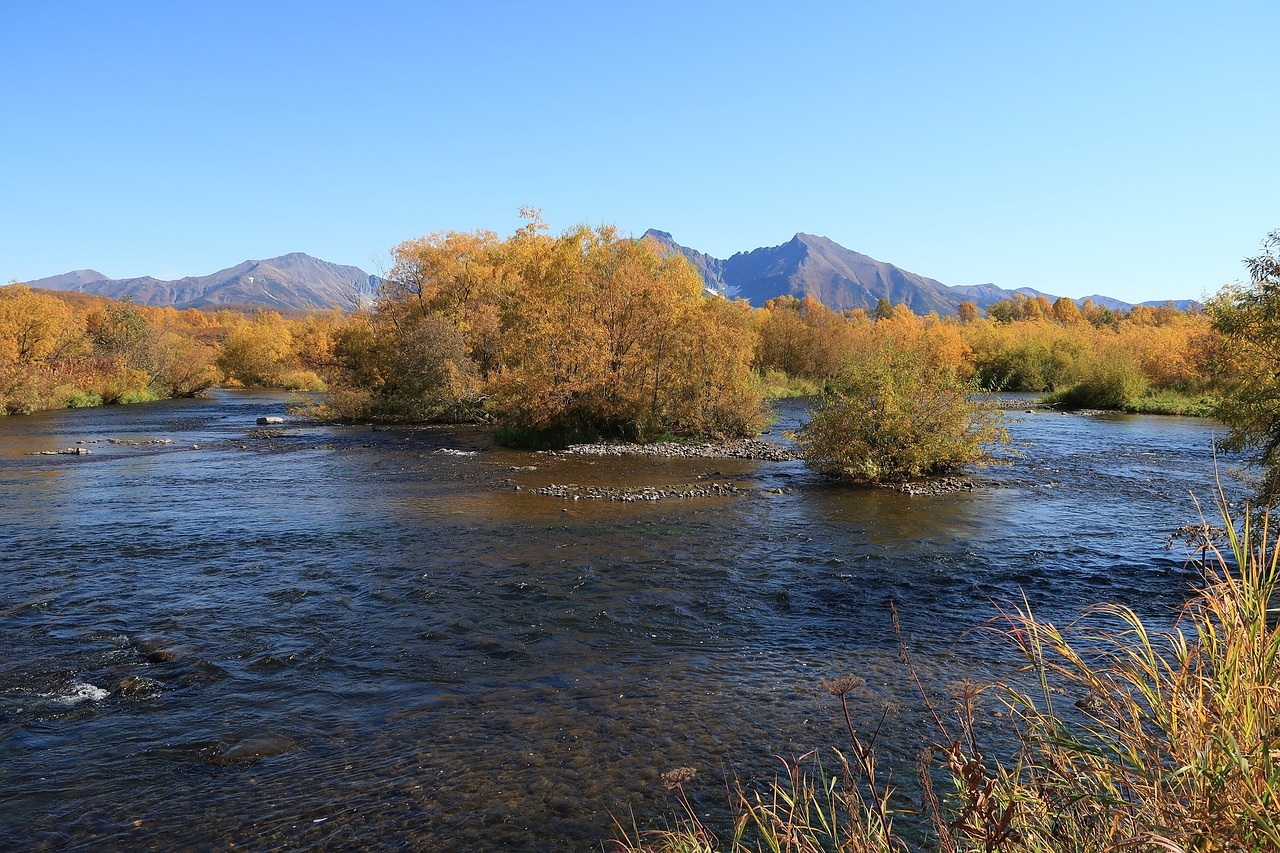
1128, 740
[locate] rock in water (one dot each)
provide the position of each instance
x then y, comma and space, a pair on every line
139, 687
270, 420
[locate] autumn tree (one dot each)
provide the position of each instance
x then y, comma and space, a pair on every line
33, 326
315, 337
461, 277
1109, 379
71, 349
182, 365
400, 364
1248, 317
713, 390
1098, 315
899, 414
802, 337
612, 337
938, 342
1066, 311
1026, 355
585, 335
257, 350
122, 339
120, 331
1173, 347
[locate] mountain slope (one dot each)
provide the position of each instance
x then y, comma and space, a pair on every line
295, 280
809, 265
73, 280
840, 278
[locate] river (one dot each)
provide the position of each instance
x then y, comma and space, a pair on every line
218, 635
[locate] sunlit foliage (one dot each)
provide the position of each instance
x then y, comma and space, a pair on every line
34, 327
400, 364
900, 412
256, 351
804, 338
612, 337
593, 334
1248, 317
588, 334
70, 349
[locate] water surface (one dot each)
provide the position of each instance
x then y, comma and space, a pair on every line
316, 638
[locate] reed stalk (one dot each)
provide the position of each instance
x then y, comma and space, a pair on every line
1127, 739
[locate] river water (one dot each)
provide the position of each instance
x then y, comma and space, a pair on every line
217, 636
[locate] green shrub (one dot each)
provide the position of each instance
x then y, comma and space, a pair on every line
1111, 382
1026, 367
898, 414
302, 380
777, 385
138, 395
341, 405
83, 400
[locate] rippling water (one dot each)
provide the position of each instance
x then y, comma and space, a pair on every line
315, 638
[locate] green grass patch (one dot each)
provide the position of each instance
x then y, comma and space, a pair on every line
83, 400
1165, 402
776, 385
138, 396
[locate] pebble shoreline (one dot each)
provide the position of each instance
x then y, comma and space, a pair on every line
574, 492
744, 448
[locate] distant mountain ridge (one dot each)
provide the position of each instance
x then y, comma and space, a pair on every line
840, 278
806, 265
295, 280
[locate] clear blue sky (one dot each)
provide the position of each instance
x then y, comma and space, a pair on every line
1123, 148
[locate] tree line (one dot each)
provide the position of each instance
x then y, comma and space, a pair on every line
62, 349
590, 334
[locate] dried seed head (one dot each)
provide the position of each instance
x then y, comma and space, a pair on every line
677, 777
841, 686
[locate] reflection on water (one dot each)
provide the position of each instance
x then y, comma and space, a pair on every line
317, 638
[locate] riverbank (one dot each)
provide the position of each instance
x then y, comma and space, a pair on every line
737, 448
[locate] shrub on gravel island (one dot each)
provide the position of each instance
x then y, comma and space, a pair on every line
901, 413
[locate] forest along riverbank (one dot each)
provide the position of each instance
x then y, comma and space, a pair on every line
336, 637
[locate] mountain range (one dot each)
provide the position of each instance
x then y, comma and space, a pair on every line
806, 265
840, 278
295, 280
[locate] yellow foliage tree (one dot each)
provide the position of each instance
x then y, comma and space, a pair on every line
461, 277
33, 326
256, 351
609, 336
802, 337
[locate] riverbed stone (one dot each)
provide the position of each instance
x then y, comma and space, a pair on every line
253, 748
742, 448
634, 494
138, 687
932, 486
